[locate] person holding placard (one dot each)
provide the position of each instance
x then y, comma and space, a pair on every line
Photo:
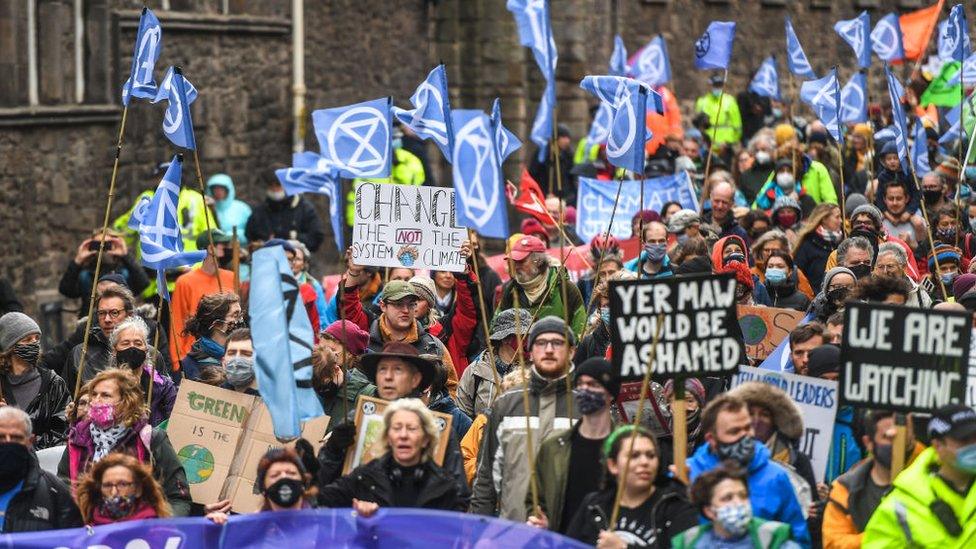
931, 502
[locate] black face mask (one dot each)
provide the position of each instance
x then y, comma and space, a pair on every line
838, 295
931, 197
883, 454
134, 357
285, 492
860, 271
28, 352
14, 462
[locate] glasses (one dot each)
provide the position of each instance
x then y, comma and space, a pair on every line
114, 314
296, 259
120, 486
844, 286
545, 343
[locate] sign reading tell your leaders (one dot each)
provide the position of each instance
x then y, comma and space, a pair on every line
904, 359
406, 226
699, 335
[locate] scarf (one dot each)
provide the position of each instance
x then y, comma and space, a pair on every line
211, 347
104, 440
387, 333
535, 287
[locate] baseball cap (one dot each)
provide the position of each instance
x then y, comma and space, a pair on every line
219, 237
395, 290
956, 421
525, 246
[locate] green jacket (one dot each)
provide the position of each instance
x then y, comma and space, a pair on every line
355, 384
765, 534
905, 519
727, 124
815, 183
551, 473
551, 303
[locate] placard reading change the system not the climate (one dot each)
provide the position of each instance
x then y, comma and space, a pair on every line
903, 359
700, 334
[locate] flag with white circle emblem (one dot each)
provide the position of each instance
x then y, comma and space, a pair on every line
856, 33
618, 58
714, 49
823, 96
179, 93
310, 173
651, 64
356, 139
431, 116
796, 60
148, 46
853, 99
766, 81
954, 36
629, 101
899, 127
886, 39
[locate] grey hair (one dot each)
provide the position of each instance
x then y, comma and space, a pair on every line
761, 138
300, 246
132, 322
856, 242
11, 412
540, 260
894, 249
938, 176
426, 418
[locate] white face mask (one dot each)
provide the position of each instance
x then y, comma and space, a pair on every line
763, 157
276, 195
785, 180
972, 222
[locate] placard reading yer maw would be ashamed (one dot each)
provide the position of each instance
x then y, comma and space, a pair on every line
406, 226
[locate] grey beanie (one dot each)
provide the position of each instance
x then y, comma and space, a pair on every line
871, 210
834, 272
551, 325
853, 201
682, 219
14, 327
505, 325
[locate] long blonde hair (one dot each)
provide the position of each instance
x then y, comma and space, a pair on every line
817, 216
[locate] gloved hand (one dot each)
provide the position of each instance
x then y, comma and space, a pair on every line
342, 437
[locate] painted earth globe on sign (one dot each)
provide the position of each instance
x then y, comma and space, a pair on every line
753, 329
197, 461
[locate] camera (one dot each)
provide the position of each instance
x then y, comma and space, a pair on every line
94, 244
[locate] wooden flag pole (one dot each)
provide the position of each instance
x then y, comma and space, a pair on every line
843, 198
236, 261
152, 363
206, 218
101, 251
928, 231
679, 431
483, 311
603, 252
564, 275
898, 455
711, 143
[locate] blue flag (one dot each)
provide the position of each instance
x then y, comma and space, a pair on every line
282, 336
951, 135
856, 32
714, 48
149, 44
431, 117
355, 139
886, 39
920, 150
179, 93
600, 127
967, 74
766, 81
853, 100
535, 32
310, 173
781, 359
618, 58
651, 64
898, 126
823, 96
796, 60
159, 229
478, 180
505, 142
628, 100
954, 36
541, 131
596, 199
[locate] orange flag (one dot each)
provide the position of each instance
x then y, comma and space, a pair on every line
917, 28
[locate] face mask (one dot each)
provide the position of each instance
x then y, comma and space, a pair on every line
786, 219
716, 91
777, 113
838, 295
785, 180
763, 157
589, 402
734, 256
28, 352
240, 371
14, 461
116, 507
735, 518
285, 492
133, 356
656, 252
740, 451
397, 143
972, 222
605, 315
883, 454
276, 196
947, 279
966, 459
946, 235
102, 414
860, 271
775, 276
931, 197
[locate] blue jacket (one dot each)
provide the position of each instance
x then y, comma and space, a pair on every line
770, 490
230, 211
320, 304
665, 272
844, 449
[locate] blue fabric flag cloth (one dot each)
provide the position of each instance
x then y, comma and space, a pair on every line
600, 127
886, 39
853, 100
355, 139
920, 150
651, 64
179, 94
766, 81
967, 74
160, 237
148, 46
310, 173
481, 147
714, 49
857, 34
595, 202
796, 60
535, 32
899, 125
282, 335
431, 117
781, 359
618, 58
628, 100
954, 36
823, 96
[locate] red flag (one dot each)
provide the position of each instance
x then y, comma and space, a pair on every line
916, 29
528, 198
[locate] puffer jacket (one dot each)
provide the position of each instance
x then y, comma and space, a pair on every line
814, 181
376, 482
477, 388
46, 410
43, 503
503, 474
905, 517
551, 303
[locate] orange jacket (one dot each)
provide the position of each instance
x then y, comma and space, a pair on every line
190, 287
661, 125
470, 445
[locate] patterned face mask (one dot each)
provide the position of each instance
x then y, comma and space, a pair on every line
740, 451
116, 507
735, 518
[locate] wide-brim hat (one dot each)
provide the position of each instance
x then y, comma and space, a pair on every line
403, 351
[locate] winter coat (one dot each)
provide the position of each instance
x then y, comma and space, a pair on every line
845, 451
471, 444
46, 409
444, 404
770, 490
814, 181
551, 302
765, 534
456, 329
77, 280
142, 442
811, 258
503, 475
594, 343
730, 227
8, 298
197, 359
425, 344
885, 177
293, 217
477, 387
231, 213
321, 306
670, 515
636, 265
44, 502
376, 482
163, 392
354, 384
905, 517
788, 296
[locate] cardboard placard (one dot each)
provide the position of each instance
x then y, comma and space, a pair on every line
763, 328
369, 430
700, 336
220, 435
817, 400
407, 226
904, 359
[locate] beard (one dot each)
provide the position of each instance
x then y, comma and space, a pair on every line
528, 274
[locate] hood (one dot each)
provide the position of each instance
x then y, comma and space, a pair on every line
720, 245
704, 460
222, 180
918, 474
786, 415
